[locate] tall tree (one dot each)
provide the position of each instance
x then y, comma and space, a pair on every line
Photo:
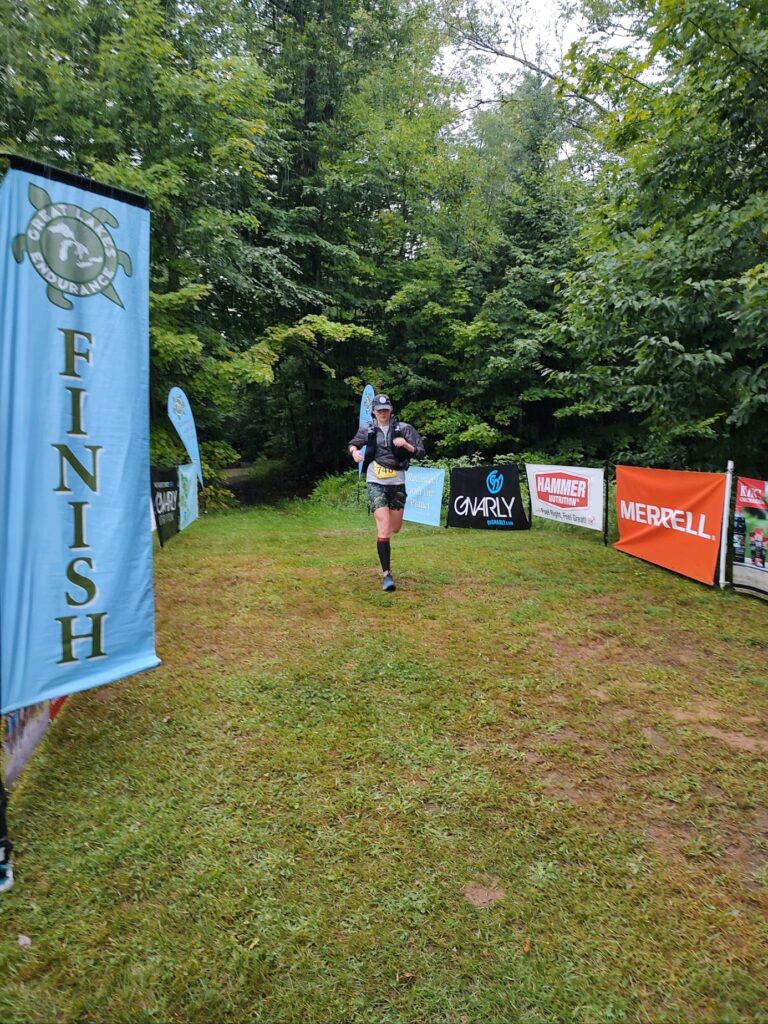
667, 304
165, 98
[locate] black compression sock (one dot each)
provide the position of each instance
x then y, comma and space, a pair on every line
382, 546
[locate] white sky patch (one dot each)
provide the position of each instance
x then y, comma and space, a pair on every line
540, 33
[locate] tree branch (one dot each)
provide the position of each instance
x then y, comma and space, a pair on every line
484, 46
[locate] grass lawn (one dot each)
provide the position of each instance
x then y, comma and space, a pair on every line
531, 786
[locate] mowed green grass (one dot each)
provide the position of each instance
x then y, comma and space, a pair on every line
295, 818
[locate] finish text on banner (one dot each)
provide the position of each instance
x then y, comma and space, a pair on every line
671, 518
425, 495
750, 537
567, 494
76, 602
486, 499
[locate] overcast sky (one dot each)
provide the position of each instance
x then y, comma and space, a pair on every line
529, 28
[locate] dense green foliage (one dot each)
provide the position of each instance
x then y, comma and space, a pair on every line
666, 306
580, 263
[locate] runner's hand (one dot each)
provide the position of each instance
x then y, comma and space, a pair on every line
357, 455
400, 442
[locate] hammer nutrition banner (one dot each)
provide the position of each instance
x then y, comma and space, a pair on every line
76, 603
425, 495
566, 494
671, 518
486, 499
750, 537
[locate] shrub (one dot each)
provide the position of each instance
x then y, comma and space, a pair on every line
341, 491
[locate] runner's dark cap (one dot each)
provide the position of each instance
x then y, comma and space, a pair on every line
381, 402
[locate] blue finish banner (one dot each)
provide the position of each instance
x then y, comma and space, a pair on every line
188, 512
365, 417
425, 495
76, 601
180, 415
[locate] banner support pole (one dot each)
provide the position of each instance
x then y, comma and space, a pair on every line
605, 504
726, 521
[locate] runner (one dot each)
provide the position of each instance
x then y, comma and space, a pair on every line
389, 447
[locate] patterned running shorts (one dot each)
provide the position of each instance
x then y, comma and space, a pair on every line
383, 496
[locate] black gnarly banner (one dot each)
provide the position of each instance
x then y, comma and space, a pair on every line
487, 499
165, 502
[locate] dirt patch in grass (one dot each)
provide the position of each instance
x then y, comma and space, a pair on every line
574, 649
747, 856
680, 656
484, 893
700, 710
657, 740
670, 836
737, 740
556, 699
532, 757
560, 787
617, 712
475, 746
602, 693
417, 781
562, 735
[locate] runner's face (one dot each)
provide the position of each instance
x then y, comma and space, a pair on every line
382, 416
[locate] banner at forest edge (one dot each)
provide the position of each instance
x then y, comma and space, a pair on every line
486, 499
188, 509
76, 601
750, 537
365, 416
165, 502
425, 495
180, 415
567, 494
672, 518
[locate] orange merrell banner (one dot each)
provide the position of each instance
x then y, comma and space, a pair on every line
671, 518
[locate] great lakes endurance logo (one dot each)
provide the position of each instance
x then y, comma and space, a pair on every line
71, 249
494, 481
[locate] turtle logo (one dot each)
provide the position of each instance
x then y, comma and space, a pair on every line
71, 249
178, 406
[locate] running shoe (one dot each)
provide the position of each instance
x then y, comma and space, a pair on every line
388, 583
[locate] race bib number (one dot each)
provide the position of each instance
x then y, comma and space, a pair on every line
383, 472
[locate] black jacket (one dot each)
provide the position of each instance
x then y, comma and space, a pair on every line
366, 435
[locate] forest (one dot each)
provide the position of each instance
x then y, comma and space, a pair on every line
568, 258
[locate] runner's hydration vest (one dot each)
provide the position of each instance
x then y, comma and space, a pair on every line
400, 461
